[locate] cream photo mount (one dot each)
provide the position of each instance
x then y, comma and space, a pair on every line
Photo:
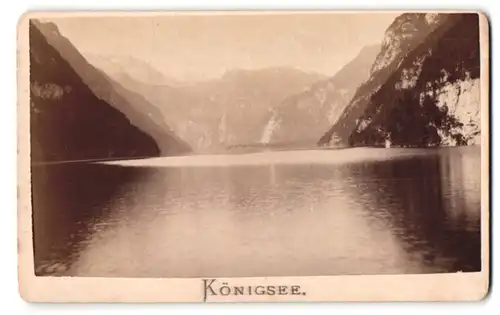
460, 286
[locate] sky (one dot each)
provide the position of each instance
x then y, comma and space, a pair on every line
203, 46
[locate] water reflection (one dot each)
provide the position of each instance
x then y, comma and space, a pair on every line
422, 210
416, 214
70, 202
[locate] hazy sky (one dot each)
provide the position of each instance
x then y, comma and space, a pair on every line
204, 46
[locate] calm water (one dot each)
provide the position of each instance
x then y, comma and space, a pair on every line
353, 211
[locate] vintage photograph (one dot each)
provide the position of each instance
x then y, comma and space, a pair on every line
256, 145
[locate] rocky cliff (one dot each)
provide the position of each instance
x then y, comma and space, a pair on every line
303, 118
76, 113
423, 88
85, 113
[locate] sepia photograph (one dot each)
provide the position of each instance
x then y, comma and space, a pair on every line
229, 145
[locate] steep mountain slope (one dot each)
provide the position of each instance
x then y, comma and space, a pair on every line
68, 122
303, 118
423, 89
136, 109
231, 110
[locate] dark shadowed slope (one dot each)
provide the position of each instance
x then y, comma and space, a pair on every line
137, 110
68, 122
423, 89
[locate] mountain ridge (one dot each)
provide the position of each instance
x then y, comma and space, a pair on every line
304, 116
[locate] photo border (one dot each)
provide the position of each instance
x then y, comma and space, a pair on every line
471, 286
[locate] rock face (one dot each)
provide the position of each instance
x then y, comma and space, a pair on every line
303, 118
79, 113
423, 88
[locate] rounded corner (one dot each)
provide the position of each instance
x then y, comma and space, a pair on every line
24, 20
25, 294
486, 293
484, 17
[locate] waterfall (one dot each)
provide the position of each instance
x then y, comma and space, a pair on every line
223, 129
268, 130
387, 143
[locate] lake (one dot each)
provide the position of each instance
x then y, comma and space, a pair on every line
299, 213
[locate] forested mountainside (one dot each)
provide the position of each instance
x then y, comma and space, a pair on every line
69, 120
423, 89
80, 113
231, 110
304, 117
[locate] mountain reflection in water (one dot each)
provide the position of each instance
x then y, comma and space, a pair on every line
417, 212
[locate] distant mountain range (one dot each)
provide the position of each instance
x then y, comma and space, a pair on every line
231, 110
122, 67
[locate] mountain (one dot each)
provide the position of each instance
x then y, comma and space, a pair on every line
249, 96
121, 68
98, 87
77, 114
230, 110
303, 118
423, 88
